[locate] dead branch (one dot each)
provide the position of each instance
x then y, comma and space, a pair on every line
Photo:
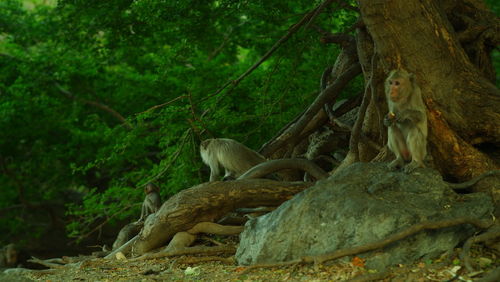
272, 166
329, 94
98, 105
482, 224
46, 263
190, 251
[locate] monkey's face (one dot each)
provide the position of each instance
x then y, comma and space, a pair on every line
396, 87
150, 188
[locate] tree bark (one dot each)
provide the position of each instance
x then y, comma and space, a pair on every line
209, 202
462, 104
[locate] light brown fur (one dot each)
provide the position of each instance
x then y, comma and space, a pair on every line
233, 156
406, 120
152, 201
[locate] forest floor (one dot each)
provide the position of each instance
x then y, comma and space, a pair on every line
185, 268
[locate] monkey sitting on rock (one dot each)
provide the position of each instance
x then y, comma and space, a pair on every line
406, 121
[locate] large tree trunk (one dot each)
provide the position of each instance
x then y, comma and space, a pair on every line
462, 104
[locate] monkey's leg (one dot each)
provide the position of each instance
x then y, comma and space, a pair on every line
230, 175
397, 145
214, 172
143, 212
418, 148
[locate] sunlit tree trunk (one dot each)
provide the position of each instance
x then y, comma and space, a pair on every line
462, 102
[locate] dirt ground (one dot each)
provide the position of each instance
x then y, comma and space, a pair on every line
189, 268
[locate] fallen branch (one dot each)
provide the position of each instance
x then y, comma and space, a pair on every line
482, 224
46, 263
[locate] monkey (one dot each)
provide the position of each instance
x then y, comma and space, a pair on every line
233, 156
152, 201
406, 121
8, 256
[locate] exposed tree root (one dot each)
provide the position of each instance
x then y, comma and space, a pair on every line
331, 92
198, 250
180, 241
209, 202
272, 166
489, 235
473, 181
492, 276
214, 228
482, 224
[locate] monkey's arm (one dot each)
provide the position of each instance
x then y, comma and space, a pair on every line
410, 117
389, 119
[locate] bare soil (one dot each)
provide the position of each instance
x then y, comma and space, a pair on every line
188, 268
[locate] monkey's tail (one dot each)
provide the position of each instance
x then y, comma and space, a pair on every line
467, 184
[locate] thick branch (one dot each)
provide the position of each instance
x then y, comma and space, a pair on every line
329, 94
98, 105
209, 202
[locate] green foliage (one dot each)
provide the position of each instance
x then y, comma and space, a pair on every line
97, 98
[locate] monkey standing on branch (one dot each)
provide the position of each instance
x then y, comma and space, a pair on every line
233, 156
152, 201
406, 121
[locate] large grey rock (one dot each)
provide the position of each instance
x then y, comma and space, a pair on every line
362, 204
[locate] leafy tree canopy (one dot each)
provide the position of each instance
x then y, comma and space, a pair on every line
97, 98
